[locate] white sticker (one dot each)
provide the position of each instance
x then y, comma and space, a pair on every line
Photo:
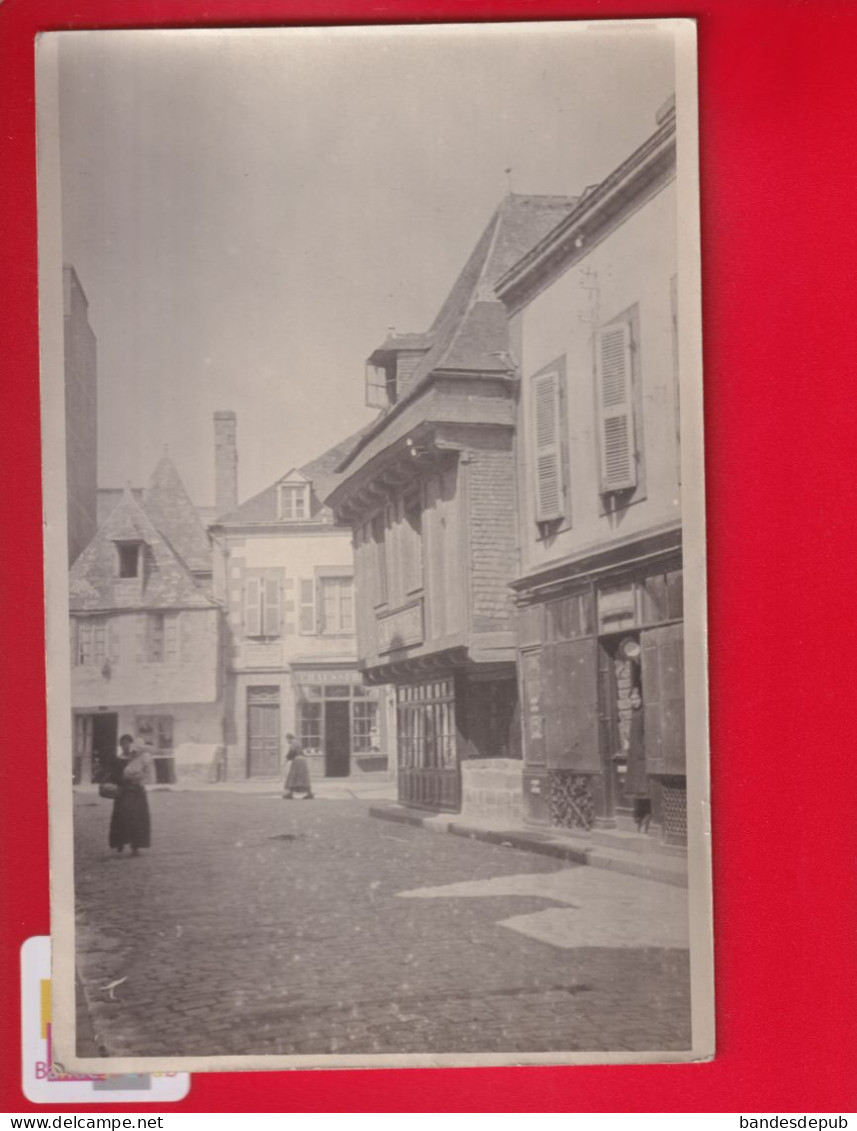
46, 1083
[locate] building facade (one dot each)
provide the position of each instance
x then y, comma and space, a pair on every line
594, 326
146, 637
285, 579
429, 492
81, 415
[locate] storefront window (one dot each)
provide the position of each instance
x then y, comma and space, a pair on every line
310, 726
364, 726
426, 717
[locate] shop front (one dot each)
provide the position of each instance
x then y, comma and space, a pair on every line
602, 692
338, 721
455, 715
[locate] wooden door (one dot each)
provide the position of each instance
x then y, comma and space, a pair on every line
105, 742
337, 738
263, 740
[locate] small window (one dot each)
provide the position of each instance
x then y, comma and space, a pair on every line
162, 638
129, 559
90, 642
294, 501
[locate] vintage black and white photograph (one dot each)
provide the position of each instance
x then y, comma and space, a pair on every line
375, 558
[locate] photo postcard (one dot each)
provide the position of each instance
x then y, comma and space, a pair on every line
374, 546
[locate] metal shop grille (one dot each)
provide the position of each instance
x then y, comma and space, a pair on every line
674, 803
570, 800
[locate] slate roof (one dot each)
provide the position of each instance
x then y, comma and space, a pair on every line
264, 507
471, 330
166, 582
471, 326
168, 505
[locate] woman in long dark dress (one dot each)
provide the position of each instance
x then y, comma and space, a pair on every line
130, 823
297, 779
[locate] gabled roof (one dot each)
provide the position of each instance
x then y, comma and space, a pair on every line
264, 507
168, 505
166, 583
294, 475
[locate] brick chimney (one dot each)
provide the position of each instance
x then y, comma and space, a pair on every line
225, 462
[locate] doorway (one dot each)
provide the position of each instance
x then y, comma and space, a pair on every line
337, 738
263, 732
95, 745
622, 726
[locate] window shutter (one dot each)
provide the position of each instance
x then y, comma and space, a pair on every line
616, 409
548, 449
252, 608
307, 610
273, 616
172, 638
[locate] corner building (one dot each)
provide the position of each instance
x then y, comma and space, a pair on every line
594, 324
429, 493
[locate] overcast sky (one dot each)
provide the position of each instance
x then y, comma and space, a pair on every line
249, 212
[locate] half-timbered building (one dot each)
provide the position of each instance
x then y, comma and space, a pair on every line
429, 493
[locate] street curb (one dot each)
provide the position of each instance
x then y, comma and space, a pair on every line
596, 857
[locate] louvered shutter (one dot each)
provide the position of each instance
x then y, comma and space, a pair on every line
615, 393
253, 607
307, 609
272, 615
548, 449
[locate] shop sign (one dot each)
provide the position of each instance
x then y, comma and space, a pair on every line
617, 607
327, 677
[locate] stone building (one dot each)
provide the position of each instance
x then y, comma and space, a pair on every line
429, 493
146, 636
285, 578
594, 326
81, 411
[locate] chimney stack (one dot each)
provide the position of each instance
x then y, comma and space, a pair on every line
225, 462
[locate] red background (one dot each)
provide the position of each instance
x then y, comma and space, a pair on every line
778, 93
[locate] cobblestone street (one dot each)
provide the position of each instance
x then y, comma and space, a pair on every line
258, 926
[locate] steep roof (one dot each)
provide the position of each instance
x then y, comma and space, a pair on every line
166, 583
168, 505
264, 507
470, 329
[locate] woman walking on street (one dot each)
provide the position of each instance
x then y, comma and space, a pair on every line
297, 779
129, 822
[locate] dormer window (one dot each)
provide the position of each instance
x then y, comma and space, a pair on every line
129, 558
391, 368
294, 498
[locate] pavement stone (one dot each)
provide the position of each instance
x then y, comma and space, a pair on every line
234, 941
